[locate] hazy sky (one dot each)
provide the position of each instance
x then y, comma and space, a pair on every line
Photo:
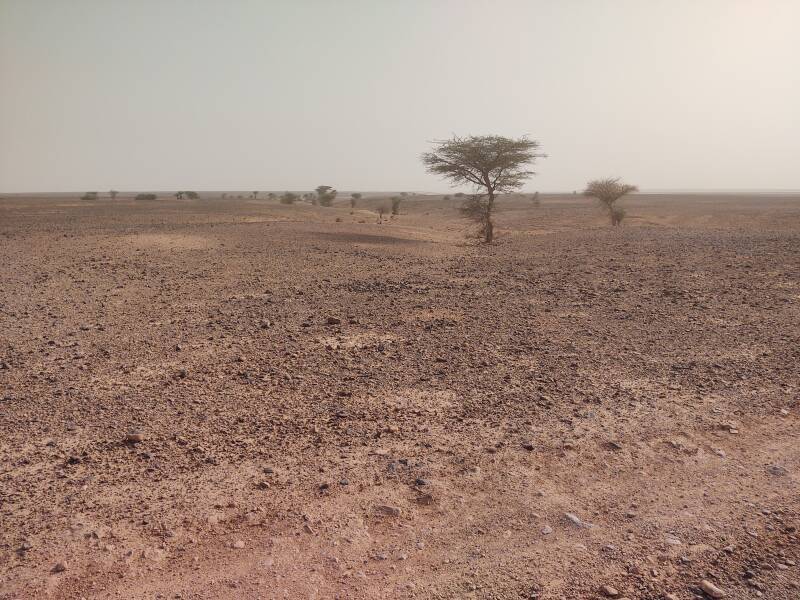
274, 95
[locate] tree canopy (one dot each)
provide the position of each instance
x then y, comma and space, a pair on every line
492, 162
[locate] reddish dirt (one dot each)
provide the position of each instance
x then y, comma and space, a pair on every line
352, 410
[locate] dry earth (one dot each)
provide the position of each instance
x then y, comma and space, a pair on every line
351, 410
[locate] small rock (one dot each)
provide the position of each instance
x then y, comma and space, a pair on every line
60, 567
134, 437
777, 470
528, 446
609, 591
421, 481
575, 520
710, 589
547, 530
333, 321
238, 544
389, 511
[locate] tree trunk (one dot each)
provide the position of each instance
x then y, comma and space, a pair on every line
488, 229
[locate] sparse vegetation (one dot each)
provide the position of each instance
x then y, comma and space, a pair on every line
179, 195
89, 196
608, 191
113, 194
289, 198
354, 198
192, 195
396, 200
491, 163
146, 196
535, 199
325, 195
255, 195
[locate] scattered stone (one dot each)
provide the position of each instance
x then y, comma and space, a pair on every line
670, 597
389, 511
609, 591
575, 520
671, 540
547, 530
710, 589
528, 446
238, 544
421, 481
24, 547
777, 470
60, 567
134, 437
308, 529
333, 321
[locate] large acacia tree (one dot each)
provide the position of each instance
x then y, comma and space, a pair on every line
491, 163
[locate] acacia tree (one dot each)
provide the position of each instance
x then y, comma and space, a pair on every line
355, 197
491, 163
325, 195
608, 191
113, 194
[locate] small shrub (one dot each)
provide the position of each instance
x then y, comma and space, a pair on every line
289, 198
89, 196
396, 204
617, 215
146, 196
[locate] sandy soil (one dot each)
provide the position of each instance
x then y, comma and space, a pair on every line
247, 400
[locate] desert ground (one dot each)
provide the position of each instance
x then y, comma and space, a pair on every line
241, 399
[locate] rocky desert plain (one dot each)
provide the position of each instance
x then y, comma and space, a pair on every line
240, 399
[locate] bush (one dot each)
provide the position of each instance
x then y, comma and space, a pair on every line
396, 204
146, 196
89, 196
289, 198
325, 195
617, 215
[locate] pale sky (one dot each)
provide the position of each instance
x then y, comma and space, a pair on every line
275, 95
